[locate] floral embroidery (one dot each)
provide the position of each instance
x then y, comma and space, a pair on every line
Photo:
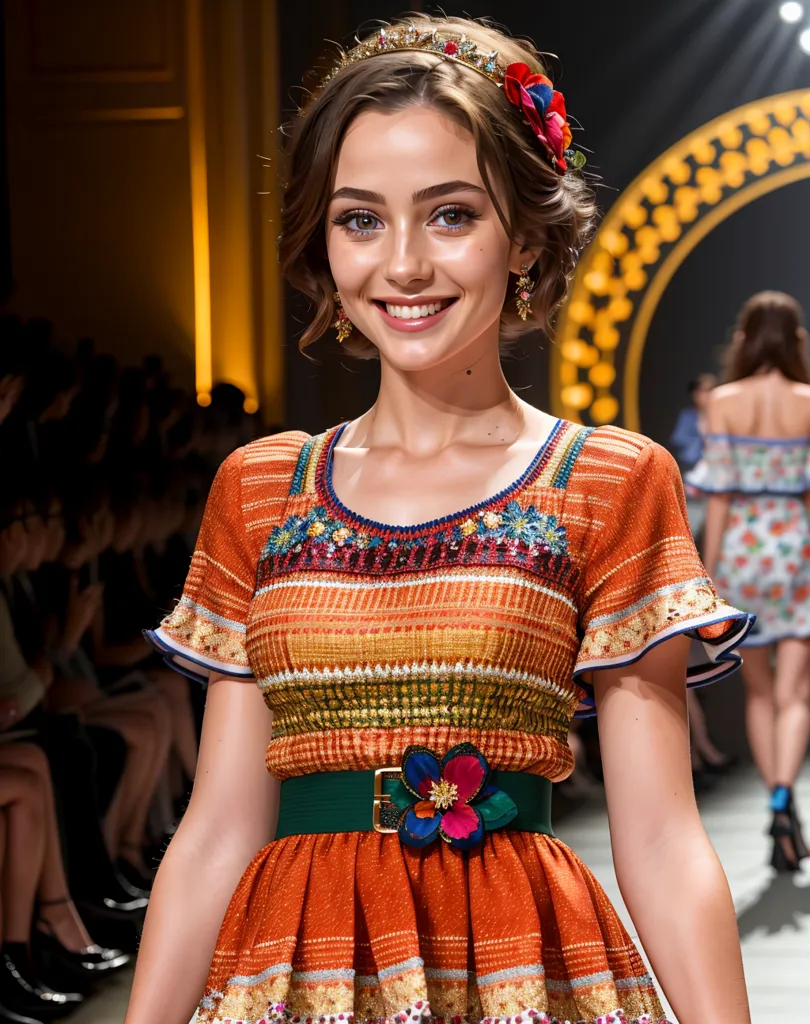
285, 537
532, 527
513, 526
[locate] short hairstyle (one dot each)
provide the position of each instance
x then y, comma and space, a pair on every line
541, 208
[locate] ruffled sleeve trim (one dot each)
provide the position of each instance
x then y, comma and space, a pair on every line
196, 641
715, 636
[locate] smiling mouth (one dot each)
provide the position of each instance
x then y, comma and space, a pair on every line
413, 311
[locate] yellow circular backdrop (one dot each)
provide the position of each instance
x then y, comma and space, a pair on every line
648, 233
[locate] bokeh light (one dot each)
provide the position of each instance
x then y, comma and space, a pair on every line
791, 12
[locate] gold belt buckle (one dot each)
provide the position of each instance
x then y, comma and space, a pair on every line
384, 813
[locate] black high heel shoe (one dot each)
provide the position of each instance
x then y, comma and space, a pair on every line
23, 993
783, 855
60, 965
798, 838
789, 848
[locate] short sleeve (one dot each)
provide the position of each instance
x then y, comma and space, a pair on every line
642, 580
206, 630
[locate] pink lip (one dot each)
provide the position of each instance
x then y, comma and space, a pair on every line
413, 325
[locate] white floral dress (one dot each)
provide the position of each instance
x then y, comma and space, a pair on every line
764, 563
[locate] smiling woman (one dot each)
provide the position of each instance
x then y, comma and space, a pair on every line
463, 175
426, 596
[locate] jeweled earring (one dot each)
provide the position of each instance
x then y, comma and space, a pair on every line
525, 290
342, 324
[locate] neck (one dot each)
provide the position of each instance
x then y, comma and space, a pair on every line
465, 399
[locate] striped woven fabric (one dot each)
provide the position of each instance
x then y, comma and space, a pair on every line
480, 627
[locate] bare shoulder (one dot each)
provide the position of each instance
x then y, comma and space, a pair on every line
723, 394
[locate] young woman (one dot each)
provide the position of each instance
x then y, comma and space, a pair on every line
415, 593
756, 469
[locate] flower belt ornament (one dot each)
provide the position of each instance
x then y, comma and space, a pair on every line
544, 109
450, 798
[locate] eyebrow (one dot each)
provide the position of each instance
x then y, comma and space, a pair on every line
420, 196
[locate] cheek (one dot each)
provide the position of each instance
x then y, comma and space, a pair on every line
352, 263
479, 264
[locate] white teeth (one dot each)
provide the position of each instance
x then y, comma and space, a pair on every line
413, 312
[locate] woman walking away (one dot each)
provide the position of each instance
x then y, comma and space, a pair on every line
756, 470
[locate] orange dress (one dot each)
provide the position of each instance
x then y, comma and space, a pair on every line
478, 627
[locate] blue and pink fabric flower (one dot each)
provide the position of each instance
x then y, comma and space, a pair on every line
450, 798
544, 109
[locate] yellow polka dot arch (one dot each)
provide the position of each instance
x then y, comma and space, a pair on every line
648, 233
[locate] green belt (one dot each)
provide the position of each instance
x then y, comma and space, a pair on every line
351, 802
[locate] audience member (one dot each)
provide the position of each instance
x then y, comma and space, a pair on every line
107, 468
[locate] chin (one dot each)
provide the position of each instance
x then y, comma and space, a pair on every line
412, 354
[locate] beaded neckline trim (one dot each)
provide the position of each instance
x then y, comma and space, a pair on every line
326, 490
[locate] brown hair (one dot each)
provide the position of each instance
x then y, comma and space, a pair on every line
769, 335
542, 208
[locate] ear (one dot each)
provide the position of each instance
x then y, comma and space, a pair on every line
519, 254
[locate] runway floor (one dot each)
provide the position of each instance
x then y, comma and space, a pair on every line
773, 911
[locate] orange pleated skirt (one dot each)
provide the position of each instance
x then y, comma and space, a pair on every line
355, 927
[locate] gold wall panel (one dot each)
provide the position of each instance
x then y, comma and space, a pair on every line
648, 233
143, 215
98, 163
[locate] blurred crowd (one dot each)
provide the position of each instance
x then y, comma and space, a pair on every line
105, 469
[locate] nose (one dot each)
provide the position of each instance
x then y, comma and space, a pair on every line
408, 259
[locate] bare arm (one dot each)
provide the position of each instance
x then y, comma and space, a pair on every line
230, 817
669, 875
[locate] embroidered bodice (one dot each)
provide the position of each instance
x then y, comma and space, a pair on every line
752, 465
478, 627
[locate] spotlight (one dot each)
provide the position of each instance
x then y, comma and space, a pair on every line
804, 40
791, 12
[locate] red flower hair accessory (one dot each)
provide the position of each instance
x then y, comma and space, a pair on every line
544, 109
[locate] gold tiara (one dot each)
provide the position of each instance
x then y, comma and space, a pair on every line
541, 106
456, 48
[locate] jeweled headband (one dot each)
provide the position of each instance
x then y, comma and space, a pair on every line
543, 108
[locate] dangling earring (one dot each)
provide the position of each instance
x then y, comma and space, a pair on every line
525, 290
342, 324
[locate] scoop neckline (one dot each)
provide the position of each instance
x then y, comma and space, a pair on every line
326, 490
